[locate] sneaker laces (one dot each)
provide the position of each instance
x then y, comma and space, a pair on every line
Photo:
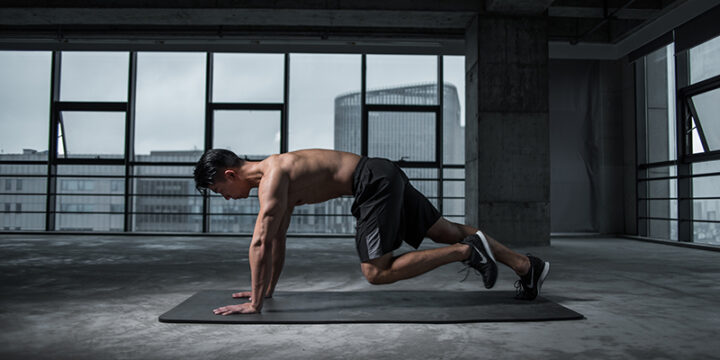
467, 271
519, 288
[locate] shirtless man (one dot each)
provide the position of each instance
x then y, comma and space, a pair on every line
387, 207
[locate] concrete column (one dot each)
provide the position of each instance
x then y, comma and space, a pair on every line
507, 160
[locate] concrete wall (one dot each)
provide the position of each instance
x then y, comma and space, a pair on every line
530, 120
507, 132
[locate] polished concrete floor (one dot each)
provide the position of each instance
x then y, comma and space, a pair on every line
99, 297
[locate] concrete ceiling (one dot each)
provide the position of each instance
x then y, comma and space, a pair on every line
602, 21
595, 21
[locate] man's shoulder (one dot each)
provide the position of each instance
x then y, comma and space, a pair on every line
277, 164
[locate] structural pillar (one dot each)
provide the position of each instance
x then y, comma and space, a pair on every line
507, 162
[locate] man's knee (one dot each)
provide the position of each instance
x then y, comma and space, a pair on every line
375, 278
375, 271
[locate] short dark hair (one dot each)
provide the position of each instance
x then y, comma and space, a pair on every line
211, 163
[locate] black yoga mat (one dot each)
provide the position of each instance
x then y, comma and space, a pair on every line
329, 307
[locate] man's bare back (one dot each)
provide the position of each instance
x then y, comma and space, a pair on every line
314, 175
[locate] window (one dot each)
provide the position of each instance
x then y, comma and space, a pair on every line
660, 106
407, 136
170, 109
245, 105
318, 83
94, 76
667, 199
706, 202
399, 71
91, 134
25, 94
705, 61
247, 132
454, 110
657, 182
704, 109
24, 100
117, 185
248, 78
84, 198
168, 185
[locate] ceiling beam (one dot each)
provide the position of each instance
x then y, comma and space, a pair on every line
599, 13
233, 17
396, 5
517, 7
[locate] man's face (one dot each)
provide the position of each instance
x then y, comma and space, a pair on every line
231, 187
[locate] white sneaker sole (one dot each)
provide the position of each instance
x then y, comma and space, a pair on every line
486, 245
546, 270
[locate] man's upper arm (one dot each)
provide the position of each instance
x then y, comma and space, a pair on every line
282, 232
273, 196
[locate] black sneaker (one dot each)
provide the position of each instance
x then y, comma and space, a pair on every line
528, 287
481, 258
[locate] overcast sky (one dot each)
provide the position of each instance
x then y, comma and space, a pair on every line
170, 100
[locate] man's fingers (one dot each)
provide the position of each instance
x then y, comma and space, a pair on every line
222, 311
232, 309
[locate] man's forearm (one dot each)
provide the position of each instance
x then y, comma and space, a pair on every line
261, 272
278, 261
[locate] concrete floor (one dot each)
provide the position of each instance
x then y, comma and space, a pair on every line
98, 297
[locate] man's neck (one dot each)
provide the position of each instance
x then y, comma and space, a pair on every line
252, 172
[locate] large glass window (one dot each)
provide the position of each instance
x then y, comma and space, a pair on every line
406, 136
235, 215
24, 104
660, 98
706, 202
94, 76
24, 121
165, 199
454, 194
320, 114
23, 197
94, 189
394, 79
704, 109
454, 110
170, 110
88, 200
255, 134
701, 108
657, 188
248, 78
91, 134
705, 60
678, 188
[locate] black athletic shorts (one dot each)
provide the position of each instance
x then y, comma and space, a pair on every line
388, 209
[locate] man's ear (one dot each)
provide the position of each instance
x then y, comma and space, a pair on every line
230, 174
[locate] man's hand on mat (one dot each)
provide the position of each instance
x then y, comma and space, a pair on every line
246, 308
246, 294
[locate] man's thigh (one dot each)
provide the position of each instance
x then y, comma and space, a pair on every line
446, 232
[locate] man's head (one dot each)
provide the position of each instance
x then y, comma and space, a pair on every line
217, 170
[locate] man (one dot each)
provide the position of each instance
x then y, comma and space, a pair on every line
387, 207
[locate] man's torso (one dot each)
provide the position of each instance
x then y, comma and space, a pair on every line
315, 175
